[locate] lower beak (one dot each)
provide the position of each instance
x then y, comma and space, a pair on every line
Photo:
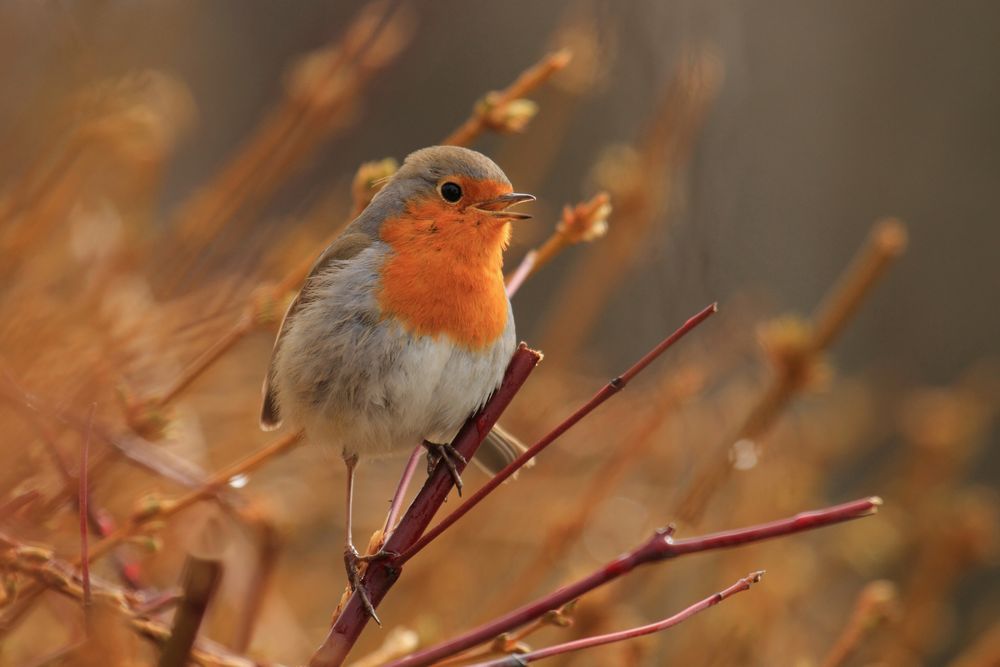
498, 206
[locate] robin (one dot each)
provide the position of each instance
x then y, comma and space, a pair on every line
403, 328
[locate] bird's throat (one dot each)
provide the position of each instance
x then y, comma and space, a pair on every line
444, 277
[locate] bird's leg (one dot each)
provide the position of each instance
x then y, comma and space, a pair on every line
450, 456
351, 557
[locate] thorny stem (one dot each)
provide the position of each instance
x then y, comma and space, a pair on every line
529, 80
622, 635
609, 390
380, 577
886, 242
662, 546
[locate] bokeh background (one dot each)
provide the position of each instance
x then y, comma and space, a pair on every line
748, 149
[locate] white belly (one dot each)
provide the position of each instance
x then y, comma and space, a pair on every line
363, 384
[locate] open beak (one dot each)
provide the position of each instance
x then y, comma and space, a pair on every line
498, 206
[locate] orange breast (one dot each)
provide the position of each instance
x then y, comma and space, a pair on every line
444, 277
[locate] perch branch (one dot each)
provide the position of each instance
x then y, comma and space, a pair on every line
380, 577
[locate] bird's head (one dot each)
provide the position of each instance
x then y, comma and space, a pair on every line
449, 199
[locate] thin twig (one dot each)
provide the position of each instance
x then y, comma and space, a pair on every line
513, 642
662, 546
396, 504
167, 508
600, 640
606, 392
490, 112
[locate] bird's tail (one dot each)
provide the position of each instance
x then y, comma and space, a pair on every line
498, 450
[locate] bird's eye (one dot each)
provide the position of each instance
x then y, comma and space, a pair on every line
451, 192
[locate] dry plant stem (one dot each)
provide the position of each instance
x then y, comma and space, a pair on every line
521, 273
83, 505
623, 635
886, 242
665, 146
983, 651
380, 577
662, 546
871, 608
247, 322
193, 371
267, 560
201, 580
167, 509
162, 511
609, 390
289, 134
59, 576
584, 222
529, 80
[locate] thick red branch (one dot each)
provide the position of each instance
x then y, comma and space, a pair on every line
662, 546
380, 577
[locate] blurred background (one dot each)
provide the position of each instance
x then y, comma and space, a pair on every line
168, 167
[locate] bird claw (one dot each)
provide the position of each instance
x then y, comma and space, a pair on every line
351, 561
450, 456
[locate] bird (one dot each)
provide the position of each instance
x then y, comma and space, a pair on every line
403, 327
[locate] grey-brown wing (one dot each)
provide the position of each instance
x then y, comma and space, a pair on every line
343, 247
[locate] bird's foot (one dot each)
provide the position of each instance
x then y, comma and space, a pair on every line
450, 456
352, 559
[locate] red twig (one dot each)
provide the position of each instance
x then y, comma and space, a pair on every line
662, 546
609, 390
521, 273
396, 504
84, 515
380, 577
600, 640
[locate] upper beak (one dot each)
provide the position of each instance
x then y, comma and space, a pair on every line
498, 206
